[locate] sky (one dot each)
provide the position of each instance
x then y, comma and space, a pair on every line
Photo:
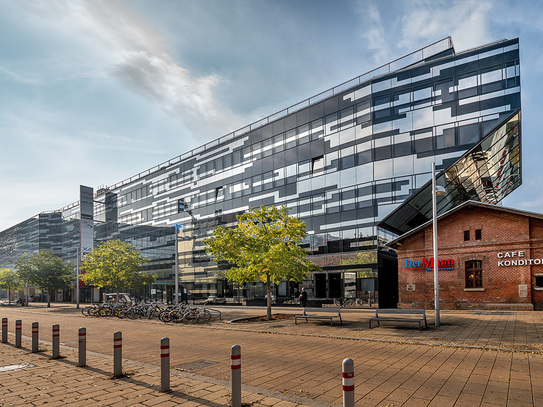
93, 92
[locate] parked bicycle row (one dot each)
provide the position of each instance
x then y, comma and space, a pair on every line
166, 313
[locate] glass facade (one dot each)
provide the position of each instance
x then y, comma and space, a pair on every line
487, 173
342, 161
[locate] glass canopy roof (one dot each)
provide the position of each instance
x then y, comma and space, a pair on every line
488, 172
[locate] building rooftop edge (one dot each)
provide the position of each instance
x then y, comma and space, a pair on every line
521, 212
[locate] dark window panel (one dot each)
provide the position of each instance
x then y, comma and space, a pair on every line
316, 111
330, 105
302, 117
468, 135
383, 153
448, 139
367, 212
290, 122
278, 127
403, 149
347, 162
423, 145
364, 157
381, 113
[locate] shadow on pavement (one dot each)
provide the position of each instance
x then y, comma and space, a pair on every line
129, 378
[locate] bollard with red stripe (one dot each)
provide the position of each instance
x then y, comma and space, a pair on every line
18, 333
4, 330
235, 366
35, 330
348, 382
165, 364
56, 342
118, 354
82, 354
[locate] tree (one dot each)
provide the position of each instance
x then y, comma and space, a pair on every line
9, 280
368, 257
263, 246
115, 264
45, 270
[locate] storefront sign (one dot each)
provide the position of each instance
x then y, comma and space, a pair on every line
444, 264
516, 259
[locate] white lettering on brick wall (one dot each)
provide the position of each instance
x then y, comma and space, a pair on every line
516, 259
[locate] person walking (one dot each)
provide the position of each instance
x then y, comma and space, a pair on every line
303, 297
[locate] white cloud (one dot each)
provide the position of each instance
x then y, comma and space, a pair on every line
373, 32
137, 57
430, 20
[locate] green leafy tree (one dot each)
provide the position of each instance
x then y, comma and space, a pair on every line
9, 280
361, 258
263, 246
369, 258
45, 270
115, 264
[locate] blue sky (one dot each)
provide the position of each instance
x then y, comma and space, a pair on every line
93, 92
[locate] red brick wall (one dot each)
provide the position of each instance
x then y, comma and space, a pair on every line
501, 232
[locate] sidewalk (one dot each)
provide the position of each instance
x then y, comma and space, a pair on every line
486, 358
498, 330
520, 331
33, 379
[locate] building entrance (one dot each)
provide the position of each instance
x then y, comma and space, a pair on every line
355, 289
334, 280
320, 285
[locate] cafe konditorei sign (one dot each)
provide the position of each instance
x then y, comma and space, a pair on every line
516, 259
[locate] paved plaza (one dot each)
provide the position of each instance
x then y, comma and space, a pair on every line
475, 358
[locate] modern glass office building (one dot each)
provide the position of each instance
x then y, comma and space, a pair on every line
342, 161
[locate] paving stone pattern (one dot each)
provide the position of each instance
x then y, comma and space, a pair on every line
472, 359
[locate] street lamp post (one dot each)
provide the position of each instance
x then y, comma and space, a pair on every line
77, 278
176, 301
434, 236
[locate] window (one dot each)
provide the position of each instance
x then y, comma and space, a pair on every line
180, 206
474, 274
219, 194
478, 234
539, 281
317, 165
466, 235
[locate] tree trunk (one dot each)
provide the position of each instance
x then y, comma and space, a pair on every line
117, 297
268, 298
48, 298
9, 296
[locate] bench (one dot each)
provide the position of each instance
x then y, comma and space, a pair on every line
400, 315
319, 313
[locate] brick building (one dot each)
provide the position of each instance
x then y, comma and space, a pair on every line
490, 257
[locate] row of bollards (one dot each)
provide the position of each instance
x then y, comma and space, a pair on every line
235, 360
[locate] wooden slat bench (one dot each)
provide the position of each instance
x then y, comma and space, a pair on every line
320, 313
400, 315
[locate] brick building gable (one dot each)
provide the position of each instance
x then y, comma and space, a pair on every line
489, 257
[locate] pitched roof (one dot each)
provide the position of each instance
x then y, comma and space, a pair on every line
468, 204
